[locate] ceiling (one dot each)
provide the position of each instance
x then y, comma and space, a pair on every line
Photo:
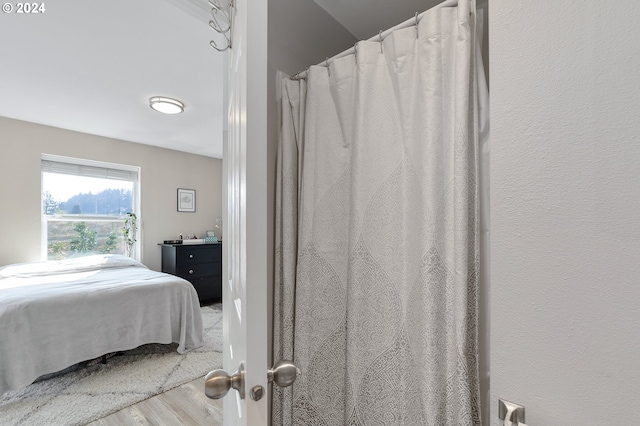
366, 18
91, 66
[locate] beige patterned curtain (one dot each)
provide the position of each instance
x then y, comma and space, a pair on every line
377, 245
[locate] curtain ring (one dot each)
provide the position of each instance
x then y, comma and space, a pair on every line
416, 24
380, 36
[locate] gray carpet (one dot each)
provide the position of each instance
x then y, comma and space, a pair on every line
91, 390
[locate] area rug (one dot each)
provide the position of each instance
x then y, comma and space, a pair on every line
89, 391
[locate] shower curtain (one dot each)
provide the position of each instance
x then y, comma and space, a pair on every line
375, 295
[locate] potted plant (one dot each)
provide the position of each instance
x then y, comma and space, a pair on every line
129, 232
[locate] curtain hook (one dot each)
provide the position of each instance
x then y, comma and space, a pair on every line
380, 36
416, 24
326, 62
355, 48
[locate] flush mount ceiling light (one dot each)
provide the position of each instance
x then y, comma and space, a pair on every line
166, 105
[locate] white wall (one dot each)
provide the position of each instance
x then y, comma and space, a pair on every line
162, 172
565, 210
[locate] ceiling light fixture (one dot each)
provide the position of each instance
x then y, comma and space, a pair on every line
166, 105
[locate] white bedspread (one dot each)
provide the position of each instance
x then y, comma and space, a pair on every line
58, 313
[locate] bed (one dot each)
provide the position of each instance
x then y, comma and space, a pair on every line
55, 314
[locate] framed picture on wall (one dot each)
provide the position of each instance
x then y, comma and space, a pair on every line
186, 200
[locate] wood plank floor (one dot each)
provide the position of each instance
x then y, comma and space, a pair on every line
184, 405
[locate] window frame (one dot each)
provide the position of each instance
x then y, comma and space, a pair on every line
92, 168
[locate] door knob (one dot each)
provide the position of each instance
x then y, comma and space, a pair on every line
217, 383
283, 373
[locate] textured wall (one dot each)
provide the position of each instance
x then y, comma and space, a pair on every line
162, 172
565, 210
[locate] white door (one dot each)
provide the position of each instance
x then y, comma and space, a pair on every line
245, 268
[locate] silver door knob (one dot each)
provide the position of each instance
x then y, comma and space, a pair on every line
217, 383
283, 373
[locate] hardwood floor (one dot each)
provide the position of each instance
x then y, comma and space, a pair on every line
184, 405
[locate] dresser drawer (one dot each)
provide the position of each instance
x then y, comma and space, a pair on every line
198, 270
208, 288
189, 255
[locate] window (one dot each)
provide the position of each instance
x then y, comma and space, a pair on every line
84, 205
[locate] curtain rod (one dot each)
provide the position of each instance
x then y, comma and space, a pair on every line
406, 24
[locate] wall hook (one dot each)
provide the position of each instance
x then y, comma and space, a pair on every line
224, 30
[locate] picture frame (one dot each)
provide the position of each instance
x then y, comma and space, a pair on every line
186, 200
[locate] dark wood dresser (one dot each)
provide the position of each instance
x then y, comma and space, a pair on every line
200, 264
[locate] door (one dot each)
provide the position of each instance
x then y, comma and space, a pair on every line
245, 267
